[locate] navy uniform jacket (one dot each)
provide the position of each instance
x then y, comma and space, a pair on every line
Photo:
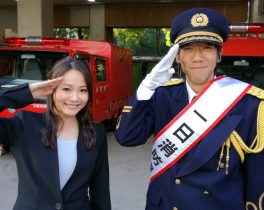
37, 165
194, 183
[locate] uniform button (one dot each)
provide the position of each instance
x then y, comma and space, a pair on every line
222, 165
57, 206
206, 192
177, 181
175, 208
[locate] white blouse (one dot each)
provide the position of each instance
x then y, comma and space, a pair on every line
67, 154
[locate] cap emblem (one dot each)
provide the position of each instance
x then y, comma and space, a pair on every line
199, 20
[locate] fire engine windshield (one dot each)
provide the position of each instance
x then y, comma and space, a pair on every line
28, 65
247, 69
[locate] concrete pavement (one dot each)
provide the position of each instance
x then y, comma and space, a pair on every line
129, 176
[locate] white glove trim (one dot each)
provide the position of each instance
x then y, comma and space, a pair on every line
144, 93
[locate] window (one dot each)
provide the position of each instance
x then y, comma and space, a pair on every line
31, 65
247, 69
6, 63
100, 69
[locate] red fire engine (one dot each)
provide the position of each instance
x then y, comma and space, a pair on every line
28, 59
243, 53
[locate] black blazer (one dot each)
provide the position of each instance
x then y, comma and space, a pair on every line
37, 165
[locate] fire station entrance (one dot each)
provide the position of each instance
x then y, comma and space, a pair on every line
39, 17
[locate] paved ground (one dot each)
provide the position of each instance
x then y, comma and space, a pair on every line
128, 176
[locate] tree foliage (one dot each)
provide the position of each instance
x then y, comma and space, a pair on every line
147, 41
166, 31
72, 33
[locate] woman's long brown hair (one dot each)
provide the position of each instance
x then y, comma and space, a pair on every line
49, 133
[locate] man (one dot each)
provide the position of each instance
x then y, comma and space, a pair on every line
209, 130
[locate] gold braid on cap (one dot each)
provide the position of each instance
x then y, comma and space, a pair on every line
238, 143
199, 35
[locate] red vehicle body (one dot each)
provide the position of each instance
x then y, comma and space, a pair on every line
244, 46
24, 60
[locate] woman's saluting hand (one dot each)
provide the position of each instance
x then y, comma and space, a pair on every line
45, 88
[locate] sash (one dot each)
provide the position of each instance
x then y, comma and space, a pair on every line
194, 122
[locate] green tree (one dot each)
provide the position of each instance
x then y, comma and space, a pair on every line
72, 33
147, 41
166, 31
129, 38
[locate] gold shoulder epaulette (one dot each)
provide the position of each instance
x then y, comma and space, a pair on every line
257, 92
174, 82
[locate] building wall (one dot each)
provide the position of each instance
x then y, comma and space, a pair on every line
257, 9
71, 16
8, 19
161, 15
80, 16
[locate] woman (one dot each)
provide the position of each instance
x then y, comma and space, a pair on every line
61, 155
